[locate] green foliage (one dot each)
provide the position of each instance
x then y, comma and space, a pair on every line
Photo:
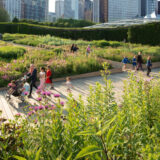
97, 129
4, 17
11, 52
118, 34
145, 34
15, 20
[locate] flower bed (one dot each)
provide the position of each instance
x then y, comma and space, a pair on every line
99, 129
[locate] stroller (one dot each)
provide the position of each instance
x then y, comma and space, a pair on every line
15, 88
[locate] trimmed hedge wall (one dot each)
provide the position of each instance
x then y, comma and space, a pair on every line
114, 34
145, 34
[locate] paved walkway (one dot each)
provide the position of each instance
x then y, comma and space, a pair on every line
81, 86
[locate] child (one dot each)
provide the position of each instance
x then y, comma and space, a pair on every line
149, 65
26, 88
42, 76
134, 62
88, 50
125, 61
49, 77
68, 84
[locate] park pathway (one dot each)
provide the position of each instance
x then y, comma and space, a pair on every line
81, 86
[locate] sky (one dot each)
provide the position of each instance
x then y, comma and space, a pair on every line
52, 5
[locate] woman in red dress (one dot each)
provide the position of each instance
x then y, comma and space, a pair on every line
49, 77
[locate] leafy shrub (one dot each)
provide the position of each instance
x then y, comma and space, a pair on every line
13, 52
12, 37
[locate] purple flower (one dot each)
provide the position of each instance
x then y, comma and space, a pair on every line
46, 107
25, 93
62, 103
40, 107
38, 91
31, 108
43, 93
56, 95
36, 108
48, 93
52, 108
30, 113
39, 99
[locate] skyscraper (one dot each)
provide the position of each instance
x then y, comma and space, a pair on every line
96, 11
14, 8
143, 7
36, 10
68, 12
88, 10
81, 9
158, 7
151, 6
75, 8
59, 8
104, 10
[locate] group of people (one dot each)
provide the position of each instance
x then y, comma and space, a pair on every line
74, 48
137, 62
45, 77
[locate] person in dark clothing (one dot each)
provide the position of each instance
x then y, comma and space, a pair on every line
33, 78
149, 65
75, 49
72, 48
139, 61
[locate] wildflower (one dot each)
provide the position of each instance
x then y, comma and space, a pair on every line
38, 91
56, 95
18, 115
46, 107
35, 121
62, 103
39, 99
5, 77
36, 108
43, 93
25, 93
30, 113
48, 93
41, 107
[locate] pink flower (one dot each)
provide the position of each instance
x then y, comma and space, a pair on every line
35, 121
5, 77
25, 93
15, 61
46, 107
18, 115
48, 93
10, 85
41, 107
30, 113
36, 108
38, 91
39, 99
43, 93
62, 103
56, 95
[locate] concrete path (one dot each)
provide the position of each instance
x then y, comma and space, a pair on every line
81, 86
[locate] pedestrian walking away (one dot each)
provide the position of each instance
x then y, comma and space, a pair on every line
149, 65
134, 62
125, 61
33, 78
139, 61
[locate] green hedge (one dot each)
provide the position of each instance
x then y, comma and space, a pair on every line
118, 34
145, 34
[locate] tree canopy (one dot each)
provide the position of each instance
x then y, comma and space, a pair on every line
4, 17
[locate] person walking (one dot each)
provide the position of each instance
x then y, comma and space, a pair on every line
125, 61
88, 50
149, 65
72, 48
33, 78
134, 62
42, 76
139, 61
49, 77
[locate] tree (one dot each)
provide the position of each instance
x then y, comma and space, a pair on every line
15, 20
4, 17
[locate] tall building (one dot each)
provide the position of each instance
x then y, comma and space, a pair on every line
51, 17
158, 7
96, 11
59, 8
36, 10
75, 8
104, 10
1, 3
151, 6
81, 9
88, 10
68, 12
14, 8
143, 7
